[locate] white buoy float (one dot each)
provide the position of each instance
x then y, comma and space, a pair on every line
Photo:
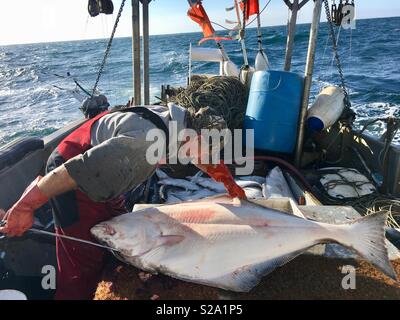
326, 109
262, 63
231, 69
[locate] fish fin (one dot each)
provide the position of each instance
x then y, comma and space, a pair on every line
247, 277
158, 249
367, 237
170, 240
162, 241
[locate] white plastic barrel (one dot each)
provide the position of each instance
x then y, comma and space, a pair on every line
326, 109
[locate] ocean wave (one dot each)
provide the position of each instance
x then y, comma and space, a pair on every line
376, 110
31, 104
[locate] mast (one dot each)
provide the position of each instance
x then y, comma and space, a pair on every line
146, 52
308, 78
137, 90
294, 8
242, 25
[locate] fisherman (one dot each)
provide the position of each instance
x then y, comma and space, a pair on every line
85, 178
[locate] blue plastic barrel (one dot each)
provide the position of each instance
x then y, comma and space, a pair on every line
273, 110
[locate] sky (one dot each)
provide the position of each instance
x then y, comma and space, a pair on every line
30, 21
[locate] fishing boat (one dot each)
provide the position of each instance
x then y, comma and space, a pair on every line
327, 162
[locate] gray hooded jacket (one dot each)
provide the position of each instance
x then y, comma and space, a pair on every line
117, 163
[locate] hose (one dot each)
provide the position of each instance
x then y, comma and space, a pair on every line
291, 168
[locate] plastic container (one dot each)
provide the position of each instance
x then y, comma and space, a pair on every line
326, 109
273, 110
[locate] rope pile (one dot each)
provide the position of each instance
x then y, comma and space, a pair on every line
364, 205
370, 204
225, 96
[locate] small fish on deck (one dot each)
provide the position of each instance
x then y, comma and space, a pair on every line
198, 187
182, 183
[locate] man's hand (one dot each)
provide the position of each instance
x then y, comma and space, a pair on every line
221, 173
131, 102
17, 222
19, 218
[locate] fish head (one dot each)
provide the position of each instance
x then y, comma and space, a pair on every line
136, 236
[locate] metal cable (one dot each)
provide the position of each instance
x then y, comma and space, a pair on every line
108, 48
336, 55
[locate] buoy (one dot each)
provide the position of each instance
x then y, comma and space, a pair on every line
12, 295
231, 69
262, 63
326, 109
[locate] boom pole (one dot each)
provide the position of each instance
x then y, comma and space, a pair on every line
308, 79
242, 25
146, 52
294, 8
137, 90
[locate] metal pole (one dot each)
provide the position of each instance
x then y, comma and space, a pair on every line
136, 52
242, 25
146, 57
308, 78
294, 8
291, 33
259, 33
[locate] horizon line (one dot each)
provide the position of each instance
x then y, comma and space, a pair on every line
166, 34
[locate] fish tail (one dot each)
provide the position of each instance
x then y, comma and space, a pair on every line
367, 237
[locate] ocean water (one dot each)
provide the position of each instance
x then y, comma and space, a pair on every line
38, 94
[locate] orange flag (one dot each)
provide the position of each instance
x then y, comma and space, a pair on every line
252, 7
199, 15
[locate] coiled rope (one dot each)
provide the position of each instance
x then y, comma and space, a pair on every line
226, 96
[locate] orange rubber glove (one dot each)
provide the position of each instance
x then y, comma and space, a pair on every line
19, 218
221, 173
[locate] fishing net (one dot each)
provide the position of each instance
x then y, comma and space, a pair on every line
380, 203
205, 98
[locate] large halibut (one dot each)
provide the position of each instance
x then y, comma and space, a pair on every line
229, 244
